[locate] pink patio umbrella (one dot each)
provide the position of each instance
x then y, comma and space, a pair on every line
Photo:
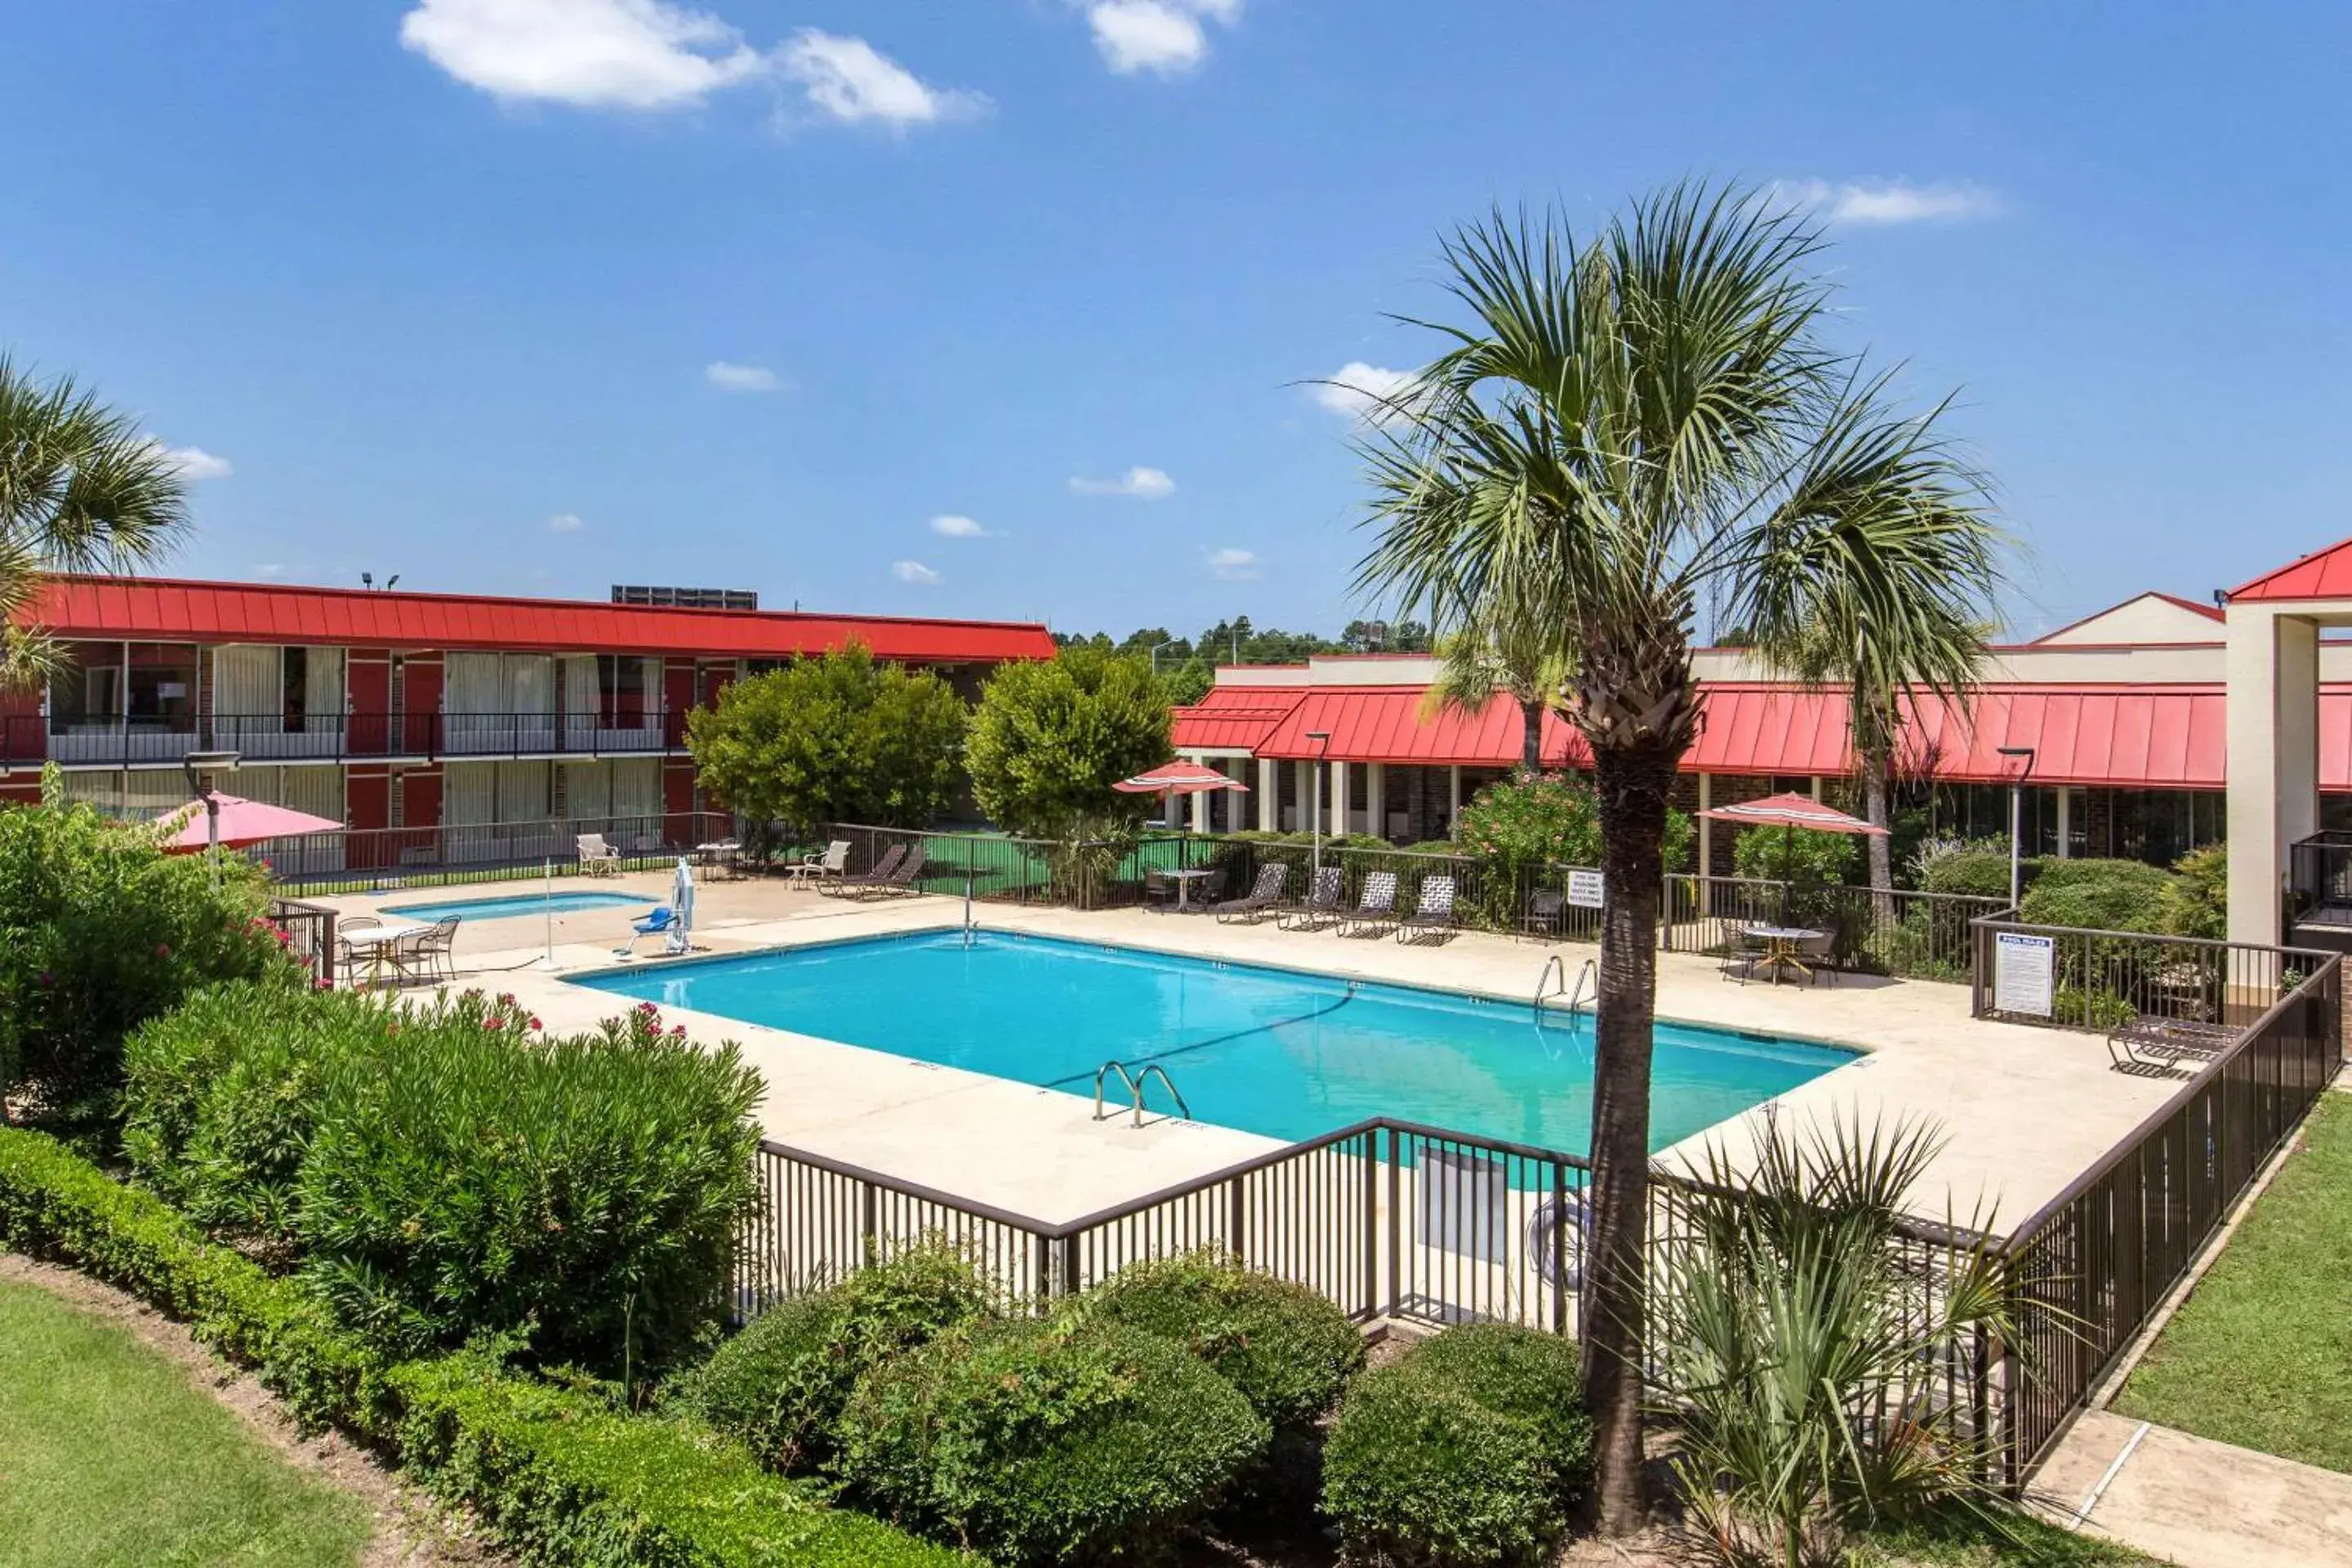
1790, 811
1178, 778
241, 822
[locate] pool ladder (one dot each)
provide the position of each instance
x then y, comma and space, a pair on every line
1556, 967
1136, 1083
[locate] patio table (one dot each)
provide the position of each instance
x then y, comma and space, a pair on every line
375, 945
1784, 947
1184, 881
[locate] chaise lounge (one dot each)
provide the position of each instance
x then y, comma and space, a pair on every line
847, 885
1375, 912
1320, 908
1263, 897
1432, 918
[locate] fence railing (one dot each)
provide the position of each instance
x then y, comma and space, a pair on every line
2105, 979
2095, 1264
1002, 869
29, 739
309, 934
2319, 877
1387, 1219
357, 861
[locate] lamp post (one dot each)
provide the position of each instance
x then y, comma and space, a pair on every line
194, 765
1322, 739
2016, 813
1155, 654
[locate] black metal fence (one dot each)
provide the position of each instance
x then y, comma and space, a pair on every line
2094, 1264
1003, 870
361, 860
2105, 979
309, 934
2319, 878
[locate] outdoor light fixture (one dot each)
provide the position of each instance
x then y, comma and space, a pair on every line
1322, 739
196, 764
2016, 810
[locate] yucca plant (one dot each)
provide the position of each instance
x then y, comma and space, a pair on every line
1800, 1338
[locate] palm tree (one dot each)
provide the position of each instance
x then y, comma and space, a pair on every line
81, 489
1510, 656
1625, 424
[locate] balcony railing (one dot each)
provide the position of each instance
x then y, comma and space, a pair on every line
2319, 878
30, 740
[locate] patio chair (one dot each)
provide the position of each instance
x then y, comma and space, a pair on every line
1545, 914
1432, 919
1158, 889
833, 860
1746, 952
901, 879
597, 858
1321, 906
1818, 953
657, 922
2171, 1046
437, 950
1374, 912
847, 885
347, 957
1264, 896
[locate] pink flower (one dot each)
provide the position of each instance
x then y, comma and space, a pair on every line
162, 950
678, 1029
535, 1023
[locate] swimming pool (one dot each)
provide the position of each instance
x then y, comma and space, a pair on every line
1271, 1051
522, 904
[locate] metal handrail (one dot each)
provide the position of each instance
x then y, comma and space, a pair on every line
1575, 998
1135, 1083
1553, 965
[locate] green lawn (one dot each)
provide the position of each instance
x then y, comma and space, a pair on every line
108, 1455
2261, 1354
1964, 1543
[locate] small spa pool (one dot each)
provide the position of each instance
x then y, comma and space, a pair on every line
520, 904
1278, 1052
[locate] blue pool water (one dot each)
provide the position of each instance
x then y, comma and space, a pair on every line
522, 904
1266, 1050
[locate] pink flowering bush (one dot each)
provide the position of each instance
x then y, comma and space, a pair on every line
100, 930
445, 1171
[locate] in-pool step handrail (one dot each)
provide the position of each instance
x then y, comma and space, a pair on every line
1135, 1082
1591, 971
1553, 965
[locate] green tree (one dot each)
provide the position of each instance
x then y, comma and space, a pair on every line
1513, 656
81, 489
1622, 430
1049, 740
838, 738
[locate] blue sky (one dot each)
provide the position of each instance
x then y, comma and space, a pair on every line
536, 295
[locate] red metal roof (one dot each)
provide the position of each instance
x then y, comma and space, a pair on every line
1384, 725
167, 610
1228, 717
2322, 575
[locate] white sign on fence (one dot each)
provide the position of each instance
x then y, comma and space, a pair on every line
2023, 971
1584, 890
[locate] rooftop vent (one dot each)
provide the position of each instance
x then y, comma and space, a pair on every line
685, 598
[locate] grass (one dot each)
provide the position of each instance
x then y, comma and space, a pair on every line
108, 1455
2260, 1355
1965, 1542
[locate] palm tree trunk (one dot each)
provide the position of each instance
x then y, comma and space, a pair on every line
1531, 713
1632, 784
1874, 769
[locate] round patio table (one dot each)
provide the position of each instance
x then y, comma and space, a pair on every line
1784, 947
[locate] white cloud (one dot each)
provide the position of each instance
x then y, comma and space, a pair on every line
1232, 565
270, 569
193, 463
593, 54
1888, 201
729, 378
564, 522
849, 80
1357, 390
1143, 484
952, 527
913, 572
1164, 37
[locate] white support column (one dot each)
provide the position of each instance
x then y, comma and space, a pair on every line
1200, 811
2272, 669
1817, 786
1343, 779
2065, 822
1706, 842
1304, 770
1453, 797
1376, 798
1269, 795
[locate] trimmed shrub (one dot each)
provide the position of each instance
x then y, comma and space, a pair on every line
1468, 1450
2097, 895
562, 1476
1040, 1442
444, 1172
782, 1383
1285, 1347
2197, 901
100, 930
1981, 872
1800, 856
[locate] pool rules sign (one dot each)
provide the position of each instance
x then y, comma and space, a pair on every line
2023, 972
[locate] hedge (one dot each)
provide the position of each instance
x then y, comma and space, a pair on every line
565, 1477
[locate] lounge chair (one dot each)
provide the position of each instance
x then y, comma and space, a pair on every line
901, 879
1264, 896
833, 860
657, 922
1433, 914
846, 884
1374, 912
597, 858
1320, 908
2168, 1046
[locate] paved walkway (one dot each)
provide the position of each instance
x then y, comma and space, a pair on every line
2197, 1502
2023, 1109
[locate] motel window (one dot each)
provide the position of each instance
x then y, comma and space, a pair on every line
621, 690
162, 682
296, 688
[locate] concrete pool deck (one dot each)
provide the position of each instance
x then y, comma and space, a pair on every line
2023, 1111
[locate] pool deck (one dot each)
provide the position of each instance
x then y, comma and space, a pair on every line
2022, 1109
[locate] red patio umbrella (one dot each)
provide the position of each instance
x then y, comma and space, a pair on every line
1178, 778
242, 822
1791, 810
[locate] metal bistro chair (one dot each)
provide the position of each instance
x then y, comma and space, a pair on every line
1546, 914
347, 957
1159, 890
